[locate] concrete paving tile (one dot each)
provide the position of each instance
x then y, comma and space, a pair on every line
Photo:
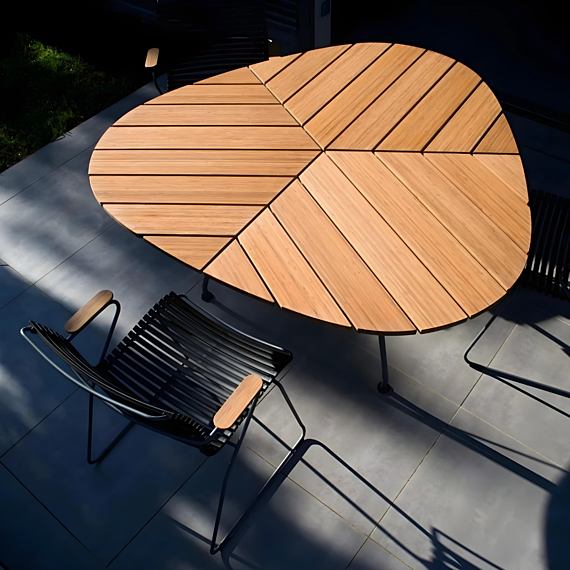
29, 388
372, 557
32, 537
51, 220
479, 500
362, 446
287, 529
11, 284
103, 505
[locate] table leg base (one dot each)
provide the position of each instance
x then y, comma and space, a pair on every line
384, 388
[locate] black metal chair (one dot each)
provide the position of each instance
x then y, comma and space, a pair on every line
181, 372
546, 271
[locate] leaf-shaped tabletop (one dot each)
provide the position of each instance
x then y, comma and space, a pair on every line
372, 185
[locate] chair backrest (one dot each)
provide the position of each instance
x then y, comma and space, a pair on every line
548, 264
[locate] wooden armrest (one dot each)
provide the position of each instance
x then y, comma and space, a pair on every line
88, 312
233, 407
151, 57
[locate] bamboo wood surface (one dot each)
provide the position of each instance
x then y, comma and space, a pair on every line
240, 399
430, 229
88, 312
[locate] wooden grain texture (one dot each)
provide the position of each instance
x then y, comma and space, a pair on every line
178, 219
411, 285
287, 82
187, 189
195, 251
239, 400
471, 227
201, 162
285, 271
488, 193
423, 122
241, 76
330, 121
354, 287
466, 128
88, 312
499, 139
151, 57
234, 268
265, 70
509, 169
327, 84
451, 264
207, 115
216, 94
211, 138
394, 104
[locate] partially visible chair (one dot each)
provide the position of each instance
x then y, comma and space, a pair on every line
546, 271
181, 372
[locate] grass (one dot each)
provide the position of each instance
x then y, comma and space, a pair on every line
46, 91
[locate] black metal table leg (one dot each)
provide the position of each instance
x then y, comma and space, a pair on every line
383, 387
206, 295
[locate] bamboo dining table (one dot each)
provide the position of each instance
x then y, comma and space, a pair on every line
375, 186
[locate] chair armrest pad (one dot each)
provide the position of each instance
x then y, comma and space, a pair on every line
88, 312
234, 406
151, 57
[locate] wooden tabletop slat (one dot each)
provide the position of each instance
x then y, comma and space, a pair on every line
394, 104
468, 126
201, 162
499, 139
182, 219
207, 115
241, 76
488, 193
509, 169
351, 283
486, 242
452, 265
426, 303
332, 119
216, 94
234, 268
265, 70
424, 121
187, 189
195, 251
286, 272
320, 90
211, 138
302, 70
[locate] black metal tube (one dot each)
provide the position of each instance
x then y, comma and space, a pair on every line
384, 386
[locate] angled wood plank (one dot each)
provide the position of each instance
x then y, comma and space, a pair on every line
488, 193
394, 104
88, 312
302, 70
423, 122
451, 264
320, 90
216, 94
285, 271
351, 283
236, 404
468, 126
182, 219
482, 238
332, 119
499, 139
234, 268
265, 70
207, 115
187, 189
509, 169
215, 138
202, 162
195, 251
241, 76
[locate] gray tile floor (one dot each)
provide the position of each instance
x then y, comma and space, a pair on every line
451, 470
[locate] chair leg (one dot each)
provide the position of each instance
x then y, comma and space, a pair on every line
499, 374
214, 548
111, 446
